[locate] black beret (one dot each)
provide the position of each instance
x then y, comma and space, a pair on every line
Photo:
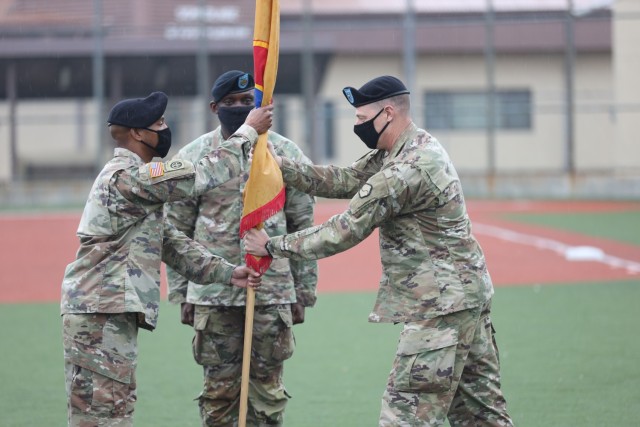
375, 90
233, 81
138, 112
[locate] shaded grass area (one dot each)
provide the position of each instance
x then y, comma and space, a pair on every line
569, 358
622, 226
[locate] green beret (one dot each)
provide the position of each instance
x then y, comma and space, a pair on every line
375, 90
233, 81
138, 112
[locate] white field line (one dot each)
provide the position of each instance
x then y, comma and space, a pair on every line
568, 252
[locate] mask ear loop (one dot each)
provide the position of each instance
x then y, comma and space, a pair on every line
144, 143
385, 126
147, 144
376, 116
383, 129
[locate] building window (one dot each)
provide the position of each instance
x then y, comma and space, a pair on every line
467, 110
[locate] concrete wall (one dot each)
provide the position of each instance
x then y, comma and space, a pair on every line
64, 132
626, 63
56, 132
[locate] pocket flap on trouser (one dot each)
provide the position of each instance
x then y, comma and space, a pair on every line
286, 316
425, 360
413, 342
103, 362
285, 343
200, 317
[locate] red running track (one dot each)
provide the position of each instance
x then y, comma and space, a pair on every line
38, 247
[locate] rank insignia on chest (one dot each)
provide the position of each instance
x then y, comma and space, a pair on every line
156, 169
365, 191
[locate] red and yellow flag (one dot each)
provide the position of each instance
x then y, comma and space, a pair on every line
264, 193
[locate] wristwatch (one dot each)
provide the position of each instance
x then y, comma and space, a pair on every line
267, 247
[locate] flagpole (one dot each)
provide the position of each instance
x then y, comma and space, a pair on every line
264, 193
246, 356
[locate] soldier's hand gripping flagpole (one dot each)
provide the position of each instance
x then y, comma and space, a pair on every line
264, 193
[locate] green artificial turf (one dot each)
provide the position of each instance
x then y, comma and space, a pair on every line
567, 353
569, 358
623, 226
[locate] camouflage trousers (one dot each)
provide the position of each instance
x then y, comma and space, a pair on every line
218, 346
447, 367
100, 352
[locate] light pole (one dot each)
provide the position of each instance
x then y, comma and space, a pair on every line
490, 59
569, 77
202, 64
308, 84
409, 51
98, 78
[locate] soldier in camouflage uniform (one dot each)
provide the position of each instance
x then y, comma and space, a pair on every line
434, 276
213, 219
113, 286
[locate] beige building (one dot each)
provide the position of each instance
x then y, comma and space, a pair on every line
564, 86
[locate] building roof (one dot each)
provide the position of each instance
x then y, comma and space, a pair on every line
437, 6
66, 27
163, 37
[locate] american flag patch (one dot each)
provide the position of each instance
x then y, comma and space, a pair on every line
156, 169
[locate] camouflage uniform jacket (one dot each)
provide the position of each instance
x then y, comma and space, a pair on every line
213, 220
123, 239
431, 263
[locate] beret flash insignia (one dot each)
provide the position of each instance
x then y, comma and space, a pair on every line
349, 95
243, 81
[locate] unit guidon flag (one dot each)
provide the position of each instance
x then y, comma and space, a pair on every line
264, 193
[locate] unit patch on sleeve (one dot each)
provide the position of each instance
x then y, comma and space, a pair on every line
174, 165
365, 191
161, 171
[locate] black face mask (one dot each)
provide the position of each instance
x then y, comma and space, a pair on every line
164, 142
367, 132
231, 118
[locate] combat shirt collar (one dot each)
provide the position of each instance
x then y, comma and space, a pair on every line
123, 152
407, 135
217, 137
